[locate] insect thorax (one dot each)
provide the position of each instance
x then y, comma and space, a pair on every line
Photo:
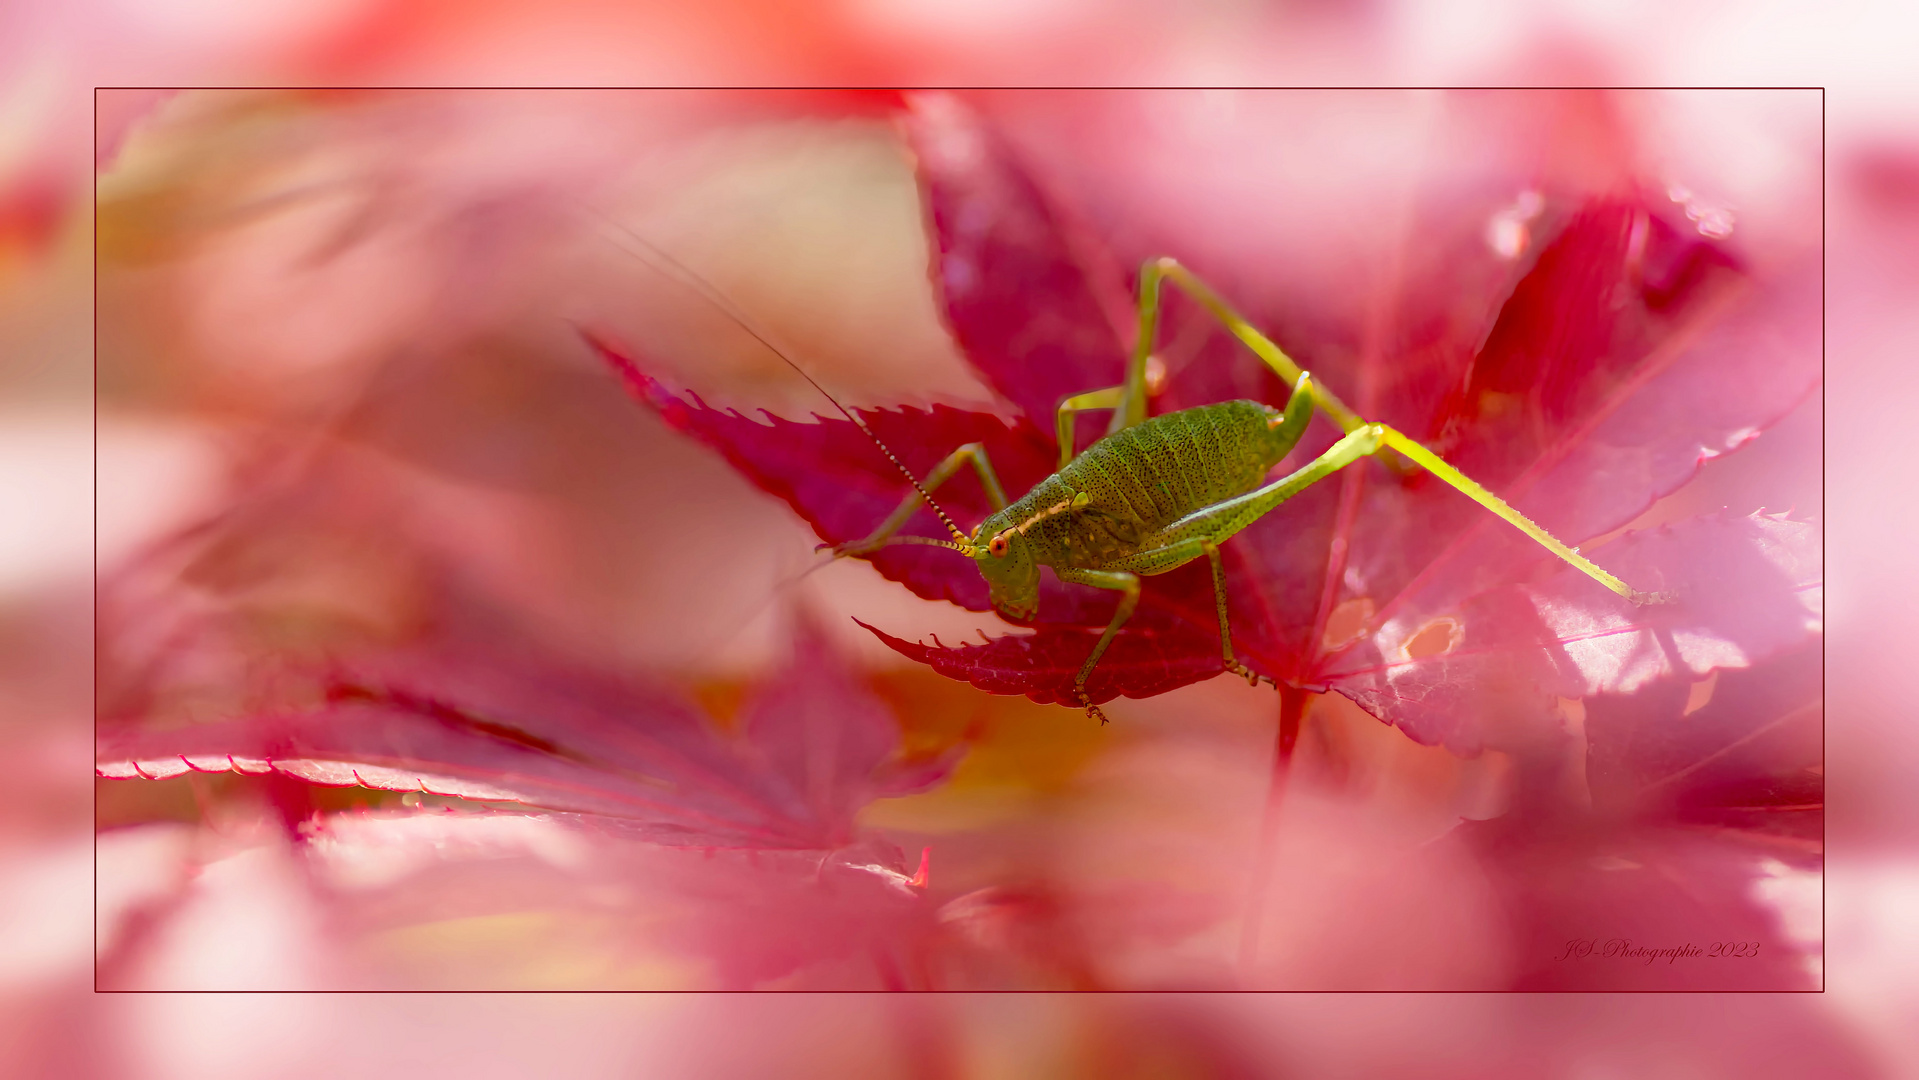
1144, 478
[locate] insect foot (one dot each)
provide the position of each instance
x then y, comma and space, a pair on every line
1252, 677
1092, 710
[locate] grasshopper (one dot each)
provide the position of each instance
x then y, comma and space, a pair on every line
1155, 494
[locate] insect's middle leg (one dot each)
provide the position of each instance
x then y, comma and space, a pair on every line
1153, 561
1225, 626
1128, 586
974, 453
1180, 552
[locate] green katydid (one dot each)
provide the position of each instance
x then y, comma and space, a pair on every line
1155, 493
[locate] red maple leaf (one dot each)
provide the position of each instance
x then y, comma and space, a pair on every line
1581, 384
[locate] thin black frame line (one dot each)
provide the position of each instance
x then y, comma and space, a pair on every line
94, 584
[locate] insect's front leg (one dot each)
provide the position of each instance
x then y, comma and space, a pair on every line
1109, 398
973, 453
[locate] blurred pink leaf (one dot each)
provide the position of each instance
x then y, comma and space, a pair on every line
848, 921
813, 749
1748, 761
1702, 815
1589, 907
1746, 588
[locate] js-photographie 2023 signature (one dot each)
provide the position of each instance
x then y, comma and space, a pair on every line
1628, 949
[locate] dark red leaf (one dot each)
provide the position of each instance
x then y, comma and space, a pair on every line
1645, 439
1043, 665
1016, 295
1731, 380
1623, 357
832, 475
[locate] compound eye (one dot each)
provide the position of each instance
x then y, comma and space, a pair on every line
998, 546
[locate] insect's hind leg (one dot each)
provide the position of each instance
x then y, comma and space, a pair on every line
1156, 270
1223, 519
1436, 465
971, 453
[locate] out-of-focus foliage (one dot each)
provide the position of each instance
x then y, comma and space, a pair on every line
445, 684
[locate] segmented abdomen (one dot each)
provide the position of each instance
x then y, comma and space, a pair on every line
1172, 465
1146, 477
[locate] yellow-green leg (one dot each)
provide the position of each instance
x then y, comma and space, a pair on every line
1384, 438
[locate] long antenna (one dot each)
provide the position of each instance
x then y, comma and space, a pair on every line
685, 275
